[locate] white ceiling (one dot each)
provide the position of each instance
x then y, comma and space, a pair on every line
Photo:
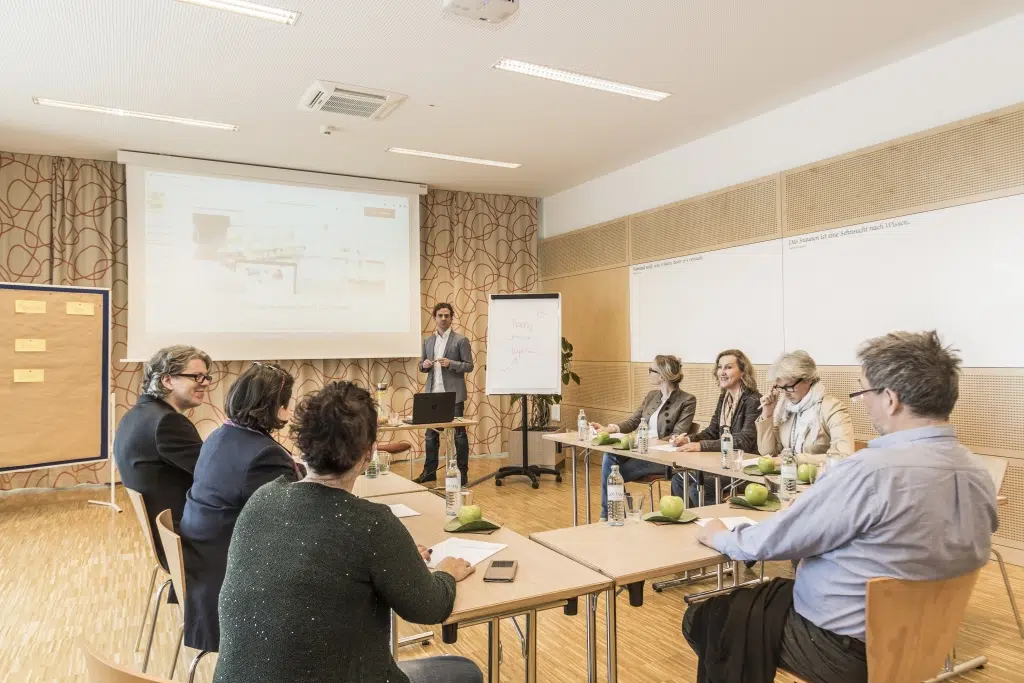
723, 60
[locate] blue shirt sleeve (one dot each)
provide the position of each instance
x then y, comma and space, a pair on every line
830, 514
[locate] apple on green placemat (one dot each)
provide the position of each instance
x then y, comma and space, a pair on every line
470, 518
756, 497
765, 465
672, 511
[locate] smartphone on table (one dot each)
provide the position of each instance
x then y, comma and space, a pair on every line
501, 571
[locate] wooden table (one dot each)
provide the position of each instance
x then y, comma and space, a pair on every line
384, 485
632, 554
569, 439
446, 429
545, 579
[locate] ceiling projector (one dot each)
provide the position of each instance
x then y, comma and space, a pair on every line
493, 11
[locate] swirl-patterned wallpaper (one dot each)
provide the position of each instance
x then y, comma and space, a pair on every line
63, 221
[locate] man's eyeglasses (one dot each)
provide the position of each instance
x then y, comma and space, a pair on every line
198, 377
858, 396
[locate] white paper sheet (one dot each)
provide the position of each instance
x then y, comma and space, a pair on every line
750, 461
664, 447
473, 552
616, 435
729, 522
402, 510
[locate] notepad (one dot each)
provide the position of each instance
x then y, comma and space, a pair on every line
729, 522
473, 552
402, 510
750, 461
664, 447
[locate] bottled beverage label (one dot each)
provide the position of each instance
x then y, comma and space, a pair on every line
616, 493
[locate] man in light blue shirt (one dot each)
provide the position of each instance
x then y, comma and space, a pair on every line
915, 505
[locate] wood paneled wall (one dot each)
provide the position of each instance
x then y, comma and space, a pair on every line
967, 161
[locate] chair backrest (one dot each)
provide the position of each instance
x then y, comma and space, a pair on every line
172, 551
102, 671
143, 516
911, 625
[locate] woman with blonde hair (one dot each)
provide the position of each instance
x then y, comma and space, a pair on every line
798, 414
668, 411
737, 409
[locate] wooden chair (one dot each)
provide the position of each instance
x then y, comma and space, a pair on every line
147, 532
102, 671
911, 625
176, 564
997, 469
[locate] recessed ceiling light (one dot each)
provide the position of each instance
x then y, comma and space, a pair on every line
133, 114
450, 157
579, 79
250, 9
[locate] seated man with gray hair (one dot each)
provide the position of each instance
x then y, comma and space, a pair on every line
914, 505
156, 447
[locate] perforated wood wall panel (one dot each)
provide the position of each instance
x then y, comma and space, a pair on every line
738, 215
600, 246
595, 313
949, 164
698, 380
602, 385
1011, 513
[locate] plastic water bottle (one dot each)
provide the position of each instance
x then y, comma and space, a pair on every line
726, 448
374, 467
788, 488
616, 498
642, 437
832, 458
452, 488
582, 427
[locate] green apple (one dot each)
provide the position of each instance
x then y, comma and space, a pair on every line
470, 513
756, 494
805, 472
671, 506
766, 465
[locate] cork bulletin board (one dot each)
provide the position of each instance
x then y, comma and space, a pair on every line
54, 375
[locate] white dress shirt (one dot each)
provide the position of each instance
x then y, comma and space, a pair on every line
440, 345
652, 421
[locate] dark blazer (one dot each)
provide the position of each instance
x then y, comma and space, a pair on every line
460, 353
744, 431
234, 463
156, 449
675, 417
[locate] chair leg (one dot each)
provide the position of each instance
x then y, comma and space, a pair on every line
152, 630
177, 651
650, 486
1009, 592
195, 664
145, 613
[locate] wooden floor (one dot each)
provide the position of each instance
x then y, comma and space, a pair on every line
70, 570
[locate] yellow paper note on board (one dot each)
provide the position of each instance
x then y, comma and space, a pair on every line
33, 375
81, 308
29, 306
29, 345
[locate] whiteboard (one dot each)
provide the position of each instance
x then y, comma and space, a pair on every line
957, 270
524, 344
696, 306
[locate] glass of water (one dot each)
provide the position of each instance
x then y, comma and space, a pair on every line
739, 456
634, 507
467, 497
383, 462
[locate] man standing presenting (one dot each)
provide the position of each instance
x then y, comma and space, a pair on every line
447, 357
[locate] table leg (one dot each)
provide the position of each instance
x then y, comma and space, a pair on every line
718, 490
611, 636
586, 480
592, 638
575, 496
531, 646
494, 651
394, 634
700, 494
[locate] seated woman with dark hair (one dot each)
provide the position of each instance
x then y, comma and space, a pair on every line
238, 457
314, 572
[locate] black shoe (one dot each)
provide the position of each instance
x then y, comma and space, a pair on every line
425, 477
465, 479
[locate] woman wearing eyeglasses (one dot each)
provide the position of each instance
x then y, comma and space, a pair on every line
239, 457
797, 413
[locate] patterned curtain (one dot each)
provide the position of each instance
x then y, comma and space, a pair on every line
62, 221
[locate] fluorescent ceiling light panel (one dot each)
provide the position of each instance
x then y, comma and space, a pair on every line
133, 114
250, 9
579, 79
450, 157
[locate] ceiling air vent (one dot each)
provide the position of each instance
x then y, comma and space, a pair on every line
350, 100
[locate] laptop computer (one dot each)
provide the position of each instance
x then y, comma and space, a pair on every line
432, 408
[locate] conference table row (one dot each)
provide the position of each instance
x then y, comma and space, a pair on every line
561, 569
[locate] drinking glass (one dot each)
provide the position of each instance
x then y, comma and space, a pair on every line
634, 507
383, 462
467, 497
739, 455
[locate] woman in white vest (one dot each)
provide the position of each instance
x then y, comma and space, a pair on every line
797, 413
